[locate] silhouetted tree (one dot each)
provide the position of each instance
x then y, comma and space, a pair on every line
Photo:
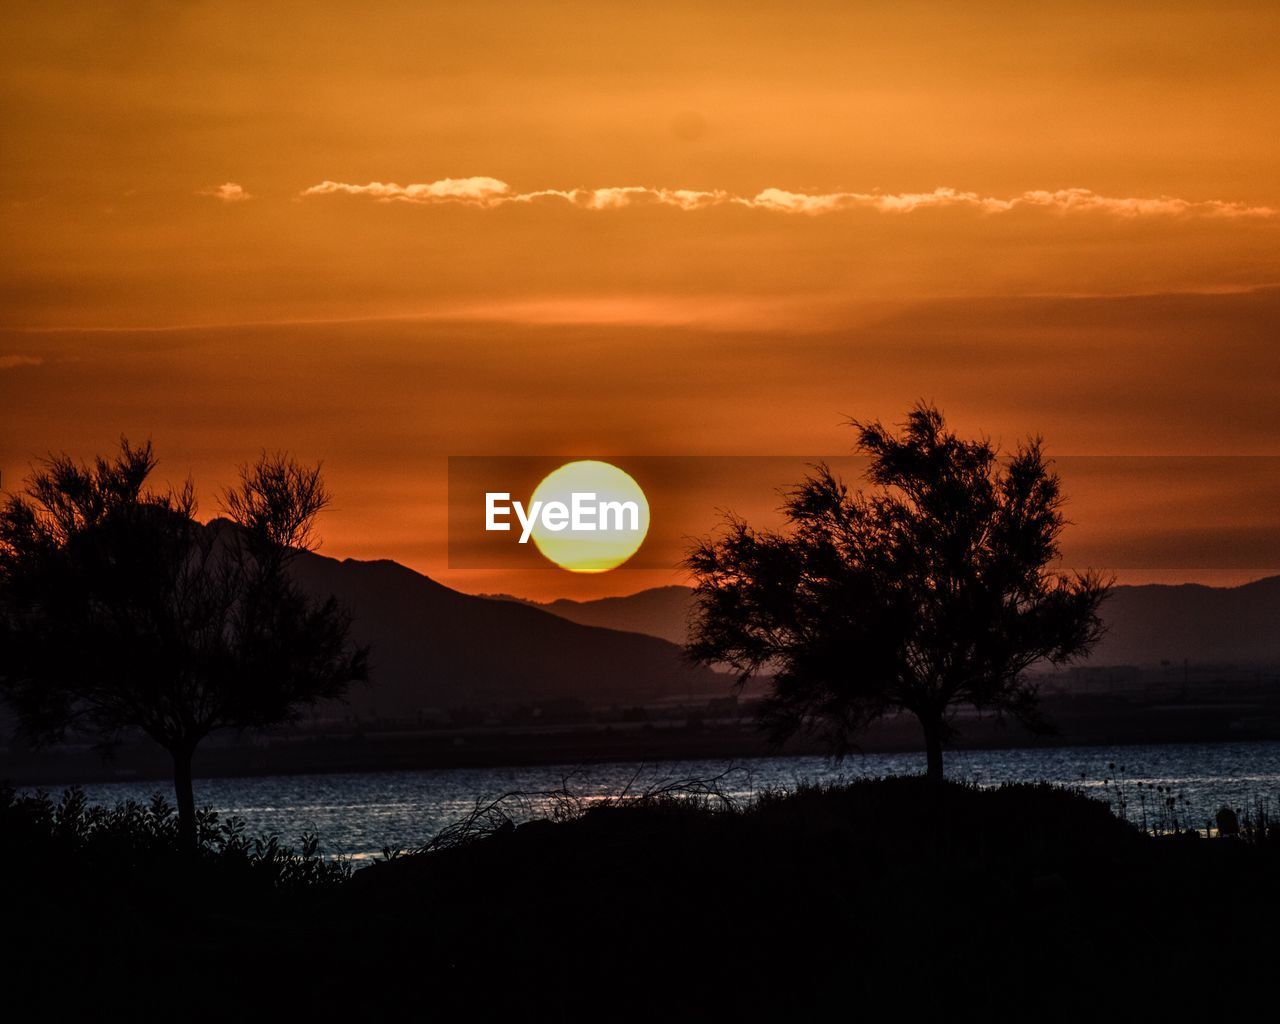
931, 592
120, 610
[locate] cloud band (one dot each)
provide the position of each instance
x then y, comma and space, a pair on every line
492, 192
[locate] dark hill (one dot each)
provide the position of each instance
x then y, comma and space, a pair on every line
434, 647
884, 898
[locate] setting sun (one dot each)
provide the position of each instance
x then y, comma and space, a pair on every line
603, 516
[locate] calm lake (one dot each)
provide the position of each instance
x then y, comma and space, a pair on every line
357, 815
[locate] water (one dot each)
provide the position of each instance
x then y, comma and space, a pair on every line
357, 815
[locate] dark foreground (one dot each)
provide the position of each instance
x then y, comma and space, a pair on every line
887, 896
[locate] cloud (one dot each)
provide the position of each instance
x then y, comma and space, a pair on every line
13, 362
1070, 199
797, 202
483, 191
228, 192
492, 192
456, 190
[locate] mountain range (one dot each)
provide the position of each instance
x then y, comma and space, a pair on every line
435, 648
1147, 624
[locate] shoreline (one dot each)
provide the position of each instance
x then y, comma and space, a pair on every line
1080, 724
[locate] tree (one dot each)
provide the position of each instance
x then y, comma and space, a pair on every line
120, 611
932, 592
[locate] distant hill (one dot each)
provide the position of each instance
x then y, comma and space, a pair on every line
1219, 625
434, 647
1147, 624
661, 611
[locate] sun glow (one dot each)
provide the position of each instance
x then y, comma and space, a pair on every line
606, 522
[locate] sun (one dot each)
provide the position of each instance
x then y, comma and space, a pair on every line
607, 521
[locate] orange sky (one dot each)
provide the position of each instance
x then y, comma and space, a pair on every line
385, 234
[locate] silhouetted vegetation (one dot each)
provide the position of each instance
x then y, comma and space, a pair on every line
136, 846
110, 913
932, 592
889, 895
119, 610
678, 902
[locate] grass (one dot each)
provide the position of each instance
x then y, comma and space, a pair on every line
1164, 811
139, 844
885, 895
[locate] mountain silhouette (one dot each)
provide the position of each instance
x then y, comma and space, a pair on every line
437, 648
1191, 622
660, 611
1146, 624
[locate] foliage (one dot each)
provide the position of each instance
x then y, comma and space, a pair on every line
498, 816
931, 592
120, 610
132, 844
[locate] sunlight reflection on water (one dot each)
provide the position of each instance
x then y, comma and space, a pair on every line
358, 814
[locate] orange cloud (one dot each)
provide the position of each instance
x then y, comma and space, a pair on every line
491, 192
227, 192
457, 190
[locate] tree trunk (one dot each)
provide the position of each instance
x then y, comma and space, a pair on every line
186, 798
932, 746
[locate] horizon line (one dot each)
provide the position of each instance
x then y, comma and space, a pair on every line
472, 315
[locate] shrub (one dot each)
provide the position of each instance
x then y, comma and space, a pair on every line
141, 846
